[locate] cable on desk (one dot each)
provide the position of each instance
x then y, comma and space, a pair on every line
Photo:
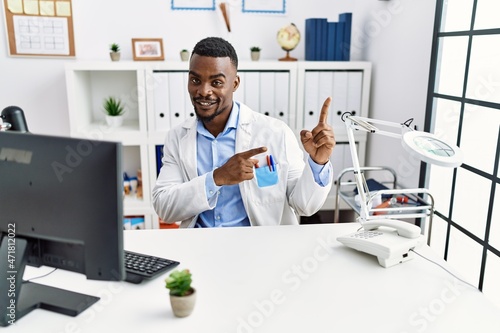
444, 268
41, 276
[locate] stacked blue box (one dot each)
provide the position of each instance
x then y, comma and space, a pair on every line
310, 39
346, 18
329, 41
339, 41
331, 38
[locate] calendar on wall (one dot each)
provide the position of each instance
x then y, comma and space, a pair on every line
39, 27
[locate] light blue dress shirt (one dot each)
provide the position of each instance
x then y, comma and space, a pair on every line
213, 152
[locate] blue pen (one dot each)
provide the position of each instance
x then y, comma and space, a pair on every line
271, 163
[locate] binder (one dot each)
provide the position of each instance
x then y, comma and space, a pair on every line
354, 88
311, 93
346, 18
325, 89
310, 44
266, 92
176, 92
321, 31
161, 102
252, 90
282, 97
188, 105
239, 94
330, 41
339, 41
339, 99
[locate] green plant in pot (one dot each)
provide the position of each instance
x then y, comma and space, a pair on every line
182, 295
255, 53
114, 109
114, 52
184, 55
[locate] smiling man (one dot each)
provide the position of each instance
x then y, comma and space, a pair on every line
232, 166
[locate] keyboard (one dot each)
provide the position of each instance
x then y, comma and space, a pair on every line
140, 266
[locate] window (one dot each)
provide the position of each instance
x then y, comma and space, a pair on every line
463, 107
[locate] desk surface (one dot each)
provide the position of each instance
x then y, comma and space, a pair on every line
273, 279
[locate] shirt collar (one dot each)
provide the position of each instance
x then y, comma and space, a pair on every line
231, 123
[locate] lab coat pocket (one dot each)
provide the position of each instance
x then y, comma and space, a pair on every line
266, 177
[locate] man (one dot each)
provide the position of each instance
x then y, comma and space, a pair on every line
232, 166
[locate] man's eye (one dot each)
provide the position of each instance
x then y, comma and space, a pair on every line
194, 80
217, 83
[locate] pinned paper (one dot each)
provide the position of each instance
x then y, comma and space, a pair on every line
15, 6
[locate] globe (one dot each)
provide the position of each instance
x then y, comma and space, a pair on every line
288, 38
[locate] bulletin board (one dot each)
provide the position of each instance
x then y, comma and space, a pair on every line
40, 27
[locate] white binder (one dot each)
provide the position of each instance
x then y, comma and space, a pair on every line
160, 102
176, 92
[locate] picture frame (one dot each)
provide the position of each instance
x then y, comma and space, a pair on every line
264, 6
193, 4
147, 49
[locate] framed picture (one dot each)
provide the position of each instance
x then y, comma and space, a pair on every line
193, 5
148, 49
264, 6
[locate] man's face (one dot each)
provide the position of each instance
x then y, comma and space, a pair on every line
211, 84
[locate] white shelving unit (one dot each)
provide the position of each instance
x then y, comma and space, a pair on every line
291, 91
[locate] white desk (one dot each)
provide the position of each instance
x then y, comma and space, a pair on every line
274, 279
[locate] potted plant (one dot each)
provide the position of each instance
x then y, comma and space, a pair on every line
182, 295
114, 111
184, 55
255, 53
114, 52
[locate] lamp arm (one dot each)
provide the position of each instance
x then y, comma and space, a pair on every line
359, 178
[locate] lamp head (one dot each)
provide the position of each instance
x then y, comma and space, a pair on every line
430, 149
12, 117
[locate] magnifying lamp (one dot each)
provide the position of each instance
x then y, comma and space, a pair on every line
394, 245
425, 146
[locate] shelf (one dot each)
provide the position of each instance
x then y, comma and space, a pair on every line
278, 89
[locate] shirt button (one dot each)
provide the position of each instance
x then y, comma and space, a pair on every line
217, 217
211, 192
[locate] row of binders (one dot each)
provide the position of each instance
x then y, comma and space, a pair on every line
328, 41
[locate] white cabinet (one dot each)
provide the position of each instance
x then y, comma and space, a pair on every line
156, 98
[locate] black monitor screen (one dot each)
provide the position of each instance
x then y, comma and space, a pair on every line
61, 205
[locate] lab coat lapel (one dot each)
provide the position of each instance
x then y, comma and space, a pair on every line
244, 132
188, 150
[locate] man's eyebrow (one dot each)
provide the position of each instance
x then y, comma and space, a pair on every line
211, 77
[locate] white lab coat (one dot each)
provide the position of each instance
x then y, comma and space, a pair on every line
179, 194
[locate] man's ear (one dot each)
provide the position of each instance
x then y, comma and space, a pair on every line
236, 83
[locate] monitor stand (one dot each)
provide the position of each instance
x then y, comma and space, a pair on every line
21, 297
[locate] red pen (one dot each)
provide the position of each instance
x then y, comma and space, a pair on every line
269, 163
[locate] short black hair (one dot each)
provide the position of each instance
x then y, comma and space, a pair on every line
216, 47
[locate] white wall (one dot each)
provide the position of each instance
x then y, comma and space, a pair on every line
395, 35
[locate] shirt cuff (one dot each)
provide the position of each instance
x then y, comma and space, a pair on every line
211, 189
320, 172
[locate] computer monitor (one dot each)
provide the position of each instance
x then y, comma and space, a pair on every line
61, 205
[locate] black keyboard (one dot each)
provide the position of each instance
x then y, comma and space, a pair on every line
140, 266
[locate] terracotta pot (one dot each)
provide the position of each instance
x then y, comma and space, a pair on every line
182, 306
